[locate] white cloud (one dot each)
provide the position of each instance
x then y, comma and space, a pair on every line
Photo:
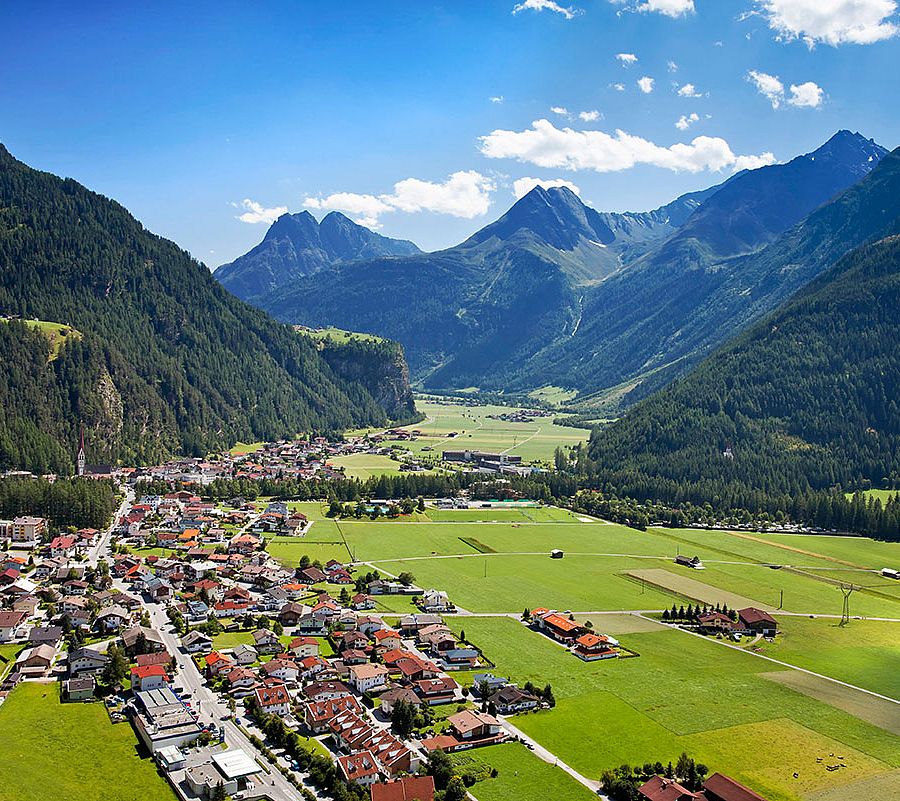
590, 116
257, 213
545, 5
464, 194
833, 22
672, 66
561, 110
496, 99
549, 147
688, 90
645, 84
619, 87
685, 121
671, 8
523, 186
767, 85
627, 59
365, 208
806, 95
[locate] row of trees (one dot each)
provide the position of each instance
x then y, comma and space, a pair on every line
622, 783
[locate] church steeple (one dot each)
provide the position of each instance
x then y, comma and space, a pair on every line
79, 457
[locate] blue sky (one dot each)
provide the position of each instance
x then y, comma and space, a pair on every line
183, 114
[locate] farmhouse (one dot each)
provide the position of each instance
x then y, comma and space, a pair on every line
755, 621
689, 561
557, 626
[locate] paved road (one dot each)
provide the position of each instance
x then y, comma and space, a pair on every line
101, 547
208, 705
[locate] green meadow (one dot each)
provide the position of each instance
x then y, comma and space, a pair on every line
684, 693
50, 750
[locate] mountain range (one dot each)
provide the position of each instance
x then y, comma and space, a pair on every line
557, 293
297, 245
158, 358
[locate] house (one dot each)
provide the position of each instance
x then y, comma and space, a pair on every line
509, 700
195, 641
359, 768
317, 714
387, 639
163, 658
36, 661
435, 601
79, 689
217, 664
557, 626
362, 601
45, 635
139, 638
291, 613
723, 788
406, 788
659, 788
245, 654
274, 699
473, 725
304, 646
148, 677
390, 698
755, 621
285, 670
715, 622
689, 561
62, 547
312, 575
86, 660
591, 647
10, 625
267, 642
489, 682
112, 619
368, 677
441, 690
326, 690
28, 530
241, 682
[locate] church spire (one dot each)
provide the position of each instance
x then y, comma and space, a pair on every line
79, 457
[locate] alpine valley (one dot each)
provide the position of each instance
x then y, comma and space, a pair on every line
555, 293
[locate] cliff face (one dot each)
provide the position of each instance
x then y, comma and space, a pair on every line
378, 365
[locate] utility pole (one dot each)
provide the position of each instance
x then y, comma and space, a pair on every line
781, 602
847, 590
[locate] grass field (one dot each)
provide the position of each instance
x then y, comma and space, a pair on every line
242, 448
865, 653
521, 776
366, 465
337, 334
475, 429
50, 750
684, 693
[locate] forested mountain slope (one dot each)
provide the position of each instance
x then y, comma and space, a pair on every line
557, 293
167, 361
733, 260
805, 399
